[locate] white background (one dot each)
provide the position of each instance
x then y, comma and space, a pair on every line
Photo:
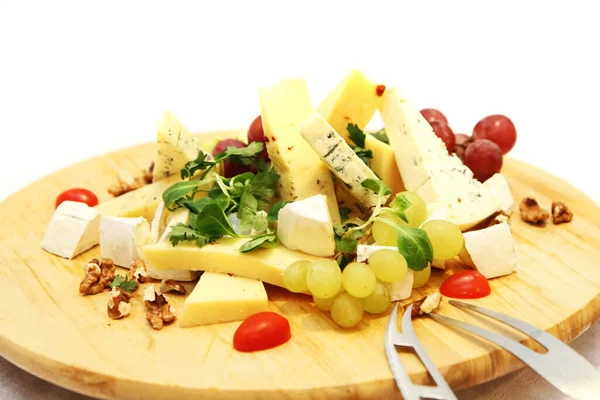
78, 79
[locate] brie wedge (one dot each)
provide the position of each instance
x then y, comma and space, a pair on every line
121, 239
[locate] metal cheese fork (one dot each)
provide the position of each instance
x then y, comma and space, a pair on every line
561, 366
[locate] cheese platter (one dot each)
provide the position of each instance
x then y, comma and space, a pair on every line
266, 261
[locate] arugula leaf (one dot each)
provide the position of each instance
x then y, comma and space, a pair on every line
241, 155
415, 246
273, 214
196, 206
381, 136
399, 205
356, 135
213, 223
247, 211
191, 167
364, 155
347, 243
177, 192
183, 233
268, 240
345, 213
377, 186
122, 282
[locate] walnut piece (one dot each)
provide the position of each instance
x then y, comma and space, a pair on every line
532, 212
171, 285
138, 271
159, 311
98, 276
425, 305
561, 213
127, 182
118, 303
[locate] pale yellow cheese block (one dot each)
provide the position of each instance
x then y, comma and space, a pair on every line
219, 298
266, 265
284, 107
355, 100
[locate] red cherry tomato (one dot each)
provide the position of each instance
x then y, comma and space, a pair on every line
466, 285
262, 331
78, 194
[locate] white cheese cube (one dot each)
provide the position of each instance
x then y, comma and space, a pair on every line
499, 186
121, 239
73, 229
159, 222
305, 225
400, 290
492, 250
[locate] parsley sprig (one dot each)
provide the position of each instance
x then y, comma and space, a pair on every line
358, 137
122, 282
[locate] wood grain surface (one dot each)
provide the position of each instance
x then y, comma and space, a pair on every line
51, 331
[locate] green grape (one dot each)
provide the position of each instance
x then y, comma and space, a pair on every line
421, 277
358, 279
346, 310
388, 265
294, 276
384, 234
446, 238
378, 301
324, 278
323, 304
417, 212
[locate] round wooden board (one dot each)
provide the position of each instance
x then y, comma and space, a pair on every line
51, 331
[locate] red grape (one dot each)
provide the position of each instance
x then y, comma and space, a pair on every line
499, 129
484, 158
257, 134
230, 169
444, 132
462, 139
431, 115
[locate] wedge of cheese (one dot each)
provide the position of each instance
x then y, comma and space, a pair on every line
499, 186
355, 100
285, 106
266, 265
176, 146
219, 298
142, 202
339, 157
121, 239
428, 169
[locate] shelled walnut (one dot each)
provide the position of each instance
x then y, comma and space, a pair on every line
118, 303
126, 182
425, 305
171, 285
159, 311
138, 271
560, 213
532, 212
98, 276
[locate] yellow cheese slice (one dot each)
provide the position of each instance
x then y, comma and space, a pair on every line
266, 265
284, 107
355, 100
219, 298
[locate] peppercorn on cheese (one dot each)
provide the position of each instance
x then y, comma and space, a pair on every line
285, 106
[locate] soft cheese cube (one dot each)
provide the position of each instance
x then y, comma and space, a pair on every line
400, 290
492, 250
305, 225
219, 298
121, 239
73, 229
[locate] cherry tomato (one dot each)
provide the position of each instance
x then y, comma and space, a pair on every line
257, 134
499, 129
262, 331
431, 114
230, 169
466, 284
78, 194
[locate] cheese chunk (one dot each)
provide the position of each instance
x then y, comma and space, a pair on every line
142, 202
399, 290
265, 265
219, 298
73, 229
176, 146
159, 222
431, 302
305, 225
499, 186
339, 157
285, 106
121, 239
355, 100
492, 250
428, 169
179, 216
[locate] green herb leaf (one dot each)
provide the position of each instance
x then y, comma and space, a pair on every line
347, 243
213, 223
415, 246
377, 186
381, 136
183, 233
273, 214
399, 205
178, 192
268, 240
248, 209
345, 213
364, 155
122, 282
241, 155
263, 185
191, 167
196, 206
356, 135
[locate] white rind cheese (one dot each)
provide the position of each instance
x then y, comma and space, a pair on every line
159, 222
305, 225
492, 250
121, 239
333, 150
176, 146
428, 169
400, 290
499, 186
73, 229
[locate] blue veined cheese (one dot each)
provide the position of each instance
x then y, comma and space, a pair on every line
428, 169
176, 146
339, 157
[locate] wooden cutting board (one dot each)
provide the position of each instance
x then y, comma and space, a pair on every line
51, 331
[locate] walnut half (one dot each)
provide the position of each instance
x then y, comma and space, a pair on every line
159, 311
425, 305
138, 271
560, 212
532, 212
98, 276
171, 285
118, 303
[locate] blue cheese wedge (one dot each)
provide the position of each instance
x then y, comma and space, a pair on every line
428, 169
399, 290
333, 150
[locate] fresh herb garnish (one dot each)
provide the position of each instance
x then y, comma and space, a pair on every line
178, 193
239, 155
268, 240
381, 136
184, 233
345, 213
213, 223
399, 205
413, 244
273, 214
123, 283
358, 138
377, 186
